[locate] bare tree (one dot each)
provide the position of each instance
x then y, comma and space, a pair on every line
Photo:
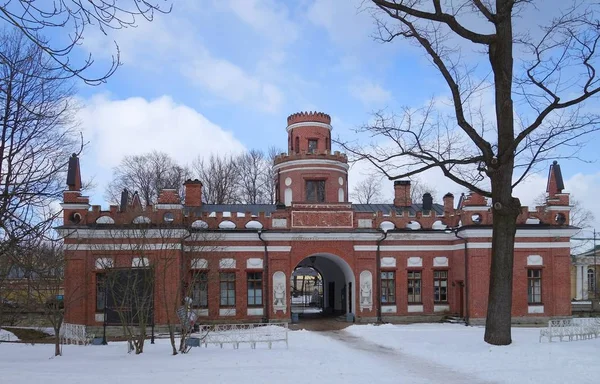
148, 174
257, 177
538, 107
418, 188
219, 176
252, 166
70, 18
368, 191
37, 134
270, 175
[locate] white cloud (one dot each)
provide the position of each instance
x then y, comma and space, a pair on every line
269, 18
347, 24
171, 50
232, 83
117, 128
369, 93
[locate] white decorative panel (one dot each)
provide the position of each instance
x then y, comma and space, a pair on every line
440, 261
341, 195
254, 263
414, 261
104, 263
535, 260
388, 262
226, 311
288, 197
415, 308
255, 311
227, 263
140, 262
279, 296
389, 309
365, 223
99, 317
199, 264
441, 308
341, 180
279, 223
288, 181
535, 309
366, 290
201, 312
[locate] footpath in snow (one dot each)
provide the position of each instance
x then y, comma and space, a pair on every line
421, 353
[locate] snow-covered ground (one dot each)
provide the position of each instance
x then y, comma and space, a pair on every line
7, 336
421, 353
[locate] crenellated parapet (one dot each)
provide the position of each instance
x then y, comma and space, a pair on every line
313, 117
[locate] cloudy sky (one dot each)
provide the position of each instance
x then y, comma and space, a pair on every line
222, 76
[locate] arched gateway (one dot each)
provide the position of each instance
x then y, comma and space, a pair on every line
331, 286
402, 261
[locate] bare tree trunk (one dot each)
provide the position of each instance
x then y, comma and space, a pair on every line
505, 207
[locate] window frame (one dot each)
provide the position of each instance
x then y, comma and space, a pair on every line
316, 190
531, 280
257, 285
437, 279
230, 288
315, 149
591, 280
388, 284
411, 297
199, 278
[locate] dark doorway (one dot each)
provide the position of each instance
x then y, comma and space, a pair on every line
350, 297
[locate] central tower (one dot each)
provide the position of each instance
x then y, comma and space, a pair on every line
310, 172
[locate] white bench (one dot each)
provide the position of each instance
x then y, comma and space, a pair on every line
571, 329
74, 334
236, 334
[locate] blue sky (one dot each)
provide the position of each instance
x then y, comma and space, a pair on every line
218, 76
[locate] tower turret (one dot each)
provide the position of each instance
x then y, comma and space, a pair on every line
310, 172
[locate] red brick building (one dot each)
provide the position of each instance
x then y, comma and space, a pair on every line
403, 261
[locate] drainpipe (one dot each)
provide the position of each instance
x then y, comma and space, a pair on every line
466, 253
378, 274
265, 295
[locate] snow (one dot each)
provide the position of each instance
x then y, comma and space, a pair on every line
420, 353
7, 336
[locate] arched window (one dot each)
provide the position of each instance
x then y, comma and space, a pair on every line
591, 280
297, 144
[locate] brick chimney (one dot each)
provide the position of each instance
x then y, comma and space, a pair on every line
193, 193
448, 202
402, 193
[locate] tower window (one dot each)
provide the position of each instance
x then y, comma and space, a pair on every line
297, 144
312, 146
315, 191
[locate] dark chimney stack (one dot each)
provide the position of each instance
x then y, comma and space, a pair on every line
427, 202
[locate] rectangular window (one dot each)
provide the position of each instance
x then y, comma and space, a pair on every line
227, 283
315, 191
388, 292
312, 146
414, 287
440, 286
254, 289
100, 292
200, 290
534, 286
